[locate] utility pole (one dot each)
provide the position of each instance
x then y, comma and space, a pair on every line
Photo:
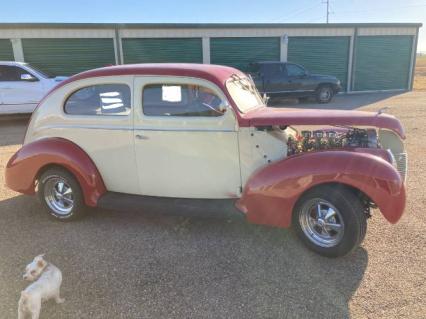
327, 2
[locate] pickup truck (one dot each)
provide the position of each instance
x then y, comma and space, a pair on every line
278, 79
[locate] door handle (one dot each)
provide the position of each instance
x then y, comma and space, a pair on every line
141, 137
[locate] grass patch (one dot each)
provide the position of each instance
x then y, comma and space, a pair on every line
420, 74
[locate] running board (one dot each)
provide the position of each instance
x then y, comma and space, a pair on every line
188, 207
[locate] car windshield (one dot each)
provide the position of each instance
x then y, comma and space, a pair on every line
244, 93
40, 72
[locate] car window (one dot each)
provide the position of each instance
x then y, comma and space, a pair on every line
181, 100
271, 69
295, 70
101, 99
12, 73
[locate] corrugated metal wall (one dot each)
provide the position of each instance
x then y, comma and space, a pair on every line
239, 52
322, 55
68, 56
6, 50
382, 62
160, 50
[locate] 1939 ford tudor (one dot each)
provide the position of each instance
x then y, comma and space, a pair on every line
201, 136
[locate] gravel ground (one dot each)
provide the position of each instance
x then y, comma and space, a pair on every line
142, 265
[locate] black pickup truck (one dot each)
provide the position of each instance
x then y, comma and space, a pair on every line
279, 79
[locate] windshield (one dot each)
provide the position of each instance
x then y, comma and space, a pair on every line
40, 72
244, 93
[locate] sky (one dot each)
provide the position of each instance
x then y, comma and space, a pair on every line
216, 11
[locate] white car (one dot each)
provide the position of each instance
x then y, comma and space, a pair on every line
22, 86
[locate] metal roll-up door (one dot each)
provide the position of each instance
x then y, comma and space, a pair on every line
68, 56
240, 52
382, 62
321, 55
6, 50
162, 50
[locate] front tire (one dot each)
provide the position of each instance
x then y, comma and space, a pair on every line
60, 195
330, 220
324, 94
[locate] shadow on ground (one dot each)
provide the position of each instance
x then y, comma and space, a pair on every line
339, 102
139, 265
12, 129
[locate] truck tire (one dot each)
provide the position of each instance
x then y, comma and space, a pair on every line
60, 194
324, 93
330, 220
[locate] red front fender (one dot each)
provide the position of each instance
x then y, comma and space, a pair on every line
24, 166
271, 193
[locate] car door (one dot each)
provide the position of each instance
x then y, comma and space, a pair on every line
274, 77
296, 77
186, 139
18, 86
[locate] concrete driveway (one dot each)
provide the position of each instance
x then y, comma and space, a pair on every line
146, 265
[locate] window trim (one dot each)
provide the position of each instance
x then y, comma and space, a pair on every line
23, 69
216, 91
68, 96
298, 65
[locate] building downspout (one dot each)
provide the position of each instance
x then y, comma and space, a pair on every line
355, 41
413, 61
118, 47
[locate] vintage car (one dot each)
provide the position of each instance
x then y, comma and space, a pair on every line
200, 137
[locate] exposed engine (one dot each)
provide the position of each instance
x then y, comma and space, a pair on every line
308, 141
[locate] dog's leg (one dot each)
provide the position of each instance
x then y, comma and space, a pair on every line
36, 310
58, 299
21, 314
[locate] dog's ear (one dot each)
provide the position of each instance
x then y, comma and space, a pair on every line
41, 263
39, 257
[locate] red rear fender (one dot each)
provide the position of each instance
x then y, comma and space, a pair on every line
25, 165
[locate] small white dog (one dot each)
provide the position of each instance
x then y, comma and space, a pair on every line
46, 285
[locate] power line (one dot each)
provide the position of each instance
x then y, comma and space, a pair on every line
296, 13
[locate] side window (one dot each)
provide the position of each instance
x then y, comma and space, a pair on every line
14, 73
295, 70
101, 99
272, 69
181, 100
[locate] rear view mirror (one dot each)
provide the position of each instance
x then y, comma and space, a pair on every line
28, 77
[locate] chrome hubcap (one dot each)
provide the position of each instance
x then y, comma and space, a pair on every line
58, 195
325, 94
322, 223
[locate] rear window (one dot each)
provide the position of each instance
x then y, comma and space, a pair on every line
101, 99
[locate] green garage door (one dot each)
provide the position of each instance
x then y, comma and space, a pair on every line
382, 62
6, 51
158, 50
68, 56
240, 52
321, 55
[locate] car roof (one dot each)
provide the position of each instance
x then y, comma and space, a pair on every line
214, 73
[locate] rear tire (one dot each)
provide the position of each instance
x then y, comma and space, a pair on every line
60, 195
324, 94
330, 220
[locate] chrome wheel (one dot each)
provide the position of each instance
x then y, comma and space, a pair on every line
322, 223
58, 195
